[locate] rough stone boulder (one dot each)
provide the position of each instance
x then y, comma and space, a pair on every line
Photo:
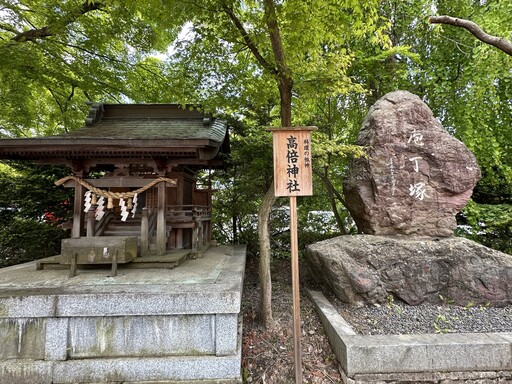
367, 268
416, 176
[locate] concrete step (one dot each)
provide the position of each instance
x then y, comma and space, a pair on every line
123, 232
121, 227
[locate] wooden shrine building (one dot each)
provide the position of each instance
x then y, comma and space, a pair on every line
134, 172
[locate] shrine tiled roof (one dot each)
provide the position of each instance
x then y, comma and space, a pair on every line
164, 131
148, 121
156, 128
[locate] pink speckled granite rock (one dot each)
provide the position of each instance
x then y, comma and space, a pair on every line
416, 176
415, 270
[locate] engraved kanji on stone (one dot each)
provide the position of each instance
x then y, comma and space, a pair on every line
418, 190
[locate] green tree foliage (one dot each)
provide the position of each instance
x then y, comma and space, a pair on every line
29, 190
240, 188
468, 85
26, 240
32, 210
236, 43
466, 82
58, 54
338, 57
488, 224
55, 55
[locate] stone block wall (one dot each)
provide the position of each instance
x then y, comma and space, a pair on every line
138, 333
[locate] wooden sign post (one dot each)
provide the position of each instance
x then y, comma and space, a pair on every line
293, 176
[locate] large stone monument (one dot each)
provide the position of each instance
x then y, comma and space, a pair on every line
404, 196
416, 176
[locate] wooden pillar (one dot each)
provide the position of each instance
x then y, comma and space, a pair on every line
202, 236
297, 349
144, 233
91, 221
78, 211
208, 232
161, 238
180, 201
292, 152
195, 239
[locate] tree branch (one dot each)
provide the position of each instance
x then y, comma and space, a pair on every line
145, 67
68, 100
498, 42
275, 38
46, 31
55, 98
330, 187
248, 40
33, 34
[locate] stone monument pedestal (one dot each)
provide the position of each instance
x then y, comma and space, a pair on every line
177, 325
368, 269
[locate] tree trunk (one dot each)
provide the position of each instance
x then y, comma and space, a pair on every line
339, 220
285, 91
284, 79
266, 318
333, 193
265, 314
285, 84
234, 226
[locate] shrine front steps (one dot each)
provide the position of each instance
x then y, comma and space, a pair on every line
144, 326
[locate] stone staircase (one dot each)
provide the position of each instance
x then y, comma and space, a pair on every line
130, 227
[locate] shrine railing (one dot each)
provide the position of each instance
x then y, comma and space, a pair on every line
196, 217
182, 213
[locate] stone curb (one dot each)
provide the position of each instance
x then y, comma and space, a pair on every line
418, 356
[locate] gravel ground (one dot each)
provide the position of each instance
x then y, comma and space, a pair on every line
397, 318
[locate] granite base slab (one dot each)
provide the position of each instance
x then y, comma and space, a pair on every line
141, 326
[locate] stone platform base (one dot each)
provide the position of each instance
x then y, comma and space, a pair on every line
143, 326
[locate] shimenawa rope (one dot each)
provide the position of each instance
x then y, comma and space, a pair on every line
114, 195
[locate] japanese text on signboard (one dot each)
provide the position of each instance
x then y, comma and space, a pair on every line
292, 162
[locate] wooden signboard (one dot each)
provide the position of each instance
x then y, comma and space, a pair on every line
293, 177
292, 161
